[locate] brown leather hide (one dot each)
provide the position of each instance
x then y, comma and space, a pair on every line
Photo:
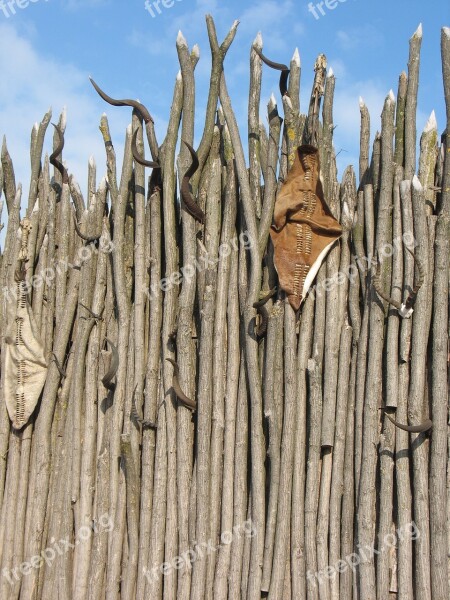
304, 228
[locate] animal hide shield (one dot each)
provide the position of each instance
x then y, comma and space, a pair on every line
25, 365
304, 228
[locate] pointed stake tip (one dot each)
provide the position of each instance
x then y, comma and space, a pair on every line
181, 40
431, 124
296, 57
258, 41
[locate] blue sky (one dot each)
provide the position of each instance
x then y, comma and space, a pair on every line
49, 48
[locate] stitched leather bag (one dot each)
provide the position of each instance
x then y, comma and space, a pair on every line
25, 365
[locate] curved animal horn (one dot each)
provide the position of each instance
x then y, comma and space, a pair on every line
260, 305
110, 374
125, 102
140, 159
279, 67
86, 238
188, 403
422, 427
377, 287
54, 161
191, 206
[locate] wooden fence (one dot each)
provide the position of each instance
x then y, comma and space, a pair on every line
162, 437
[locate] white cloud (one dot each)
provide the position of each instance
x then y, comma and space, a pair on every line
346, 114
207, 5
346, 117
141, 40
30, 84
339, 68
77, 4
266, 14
367, 36
192, 21
271, 18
